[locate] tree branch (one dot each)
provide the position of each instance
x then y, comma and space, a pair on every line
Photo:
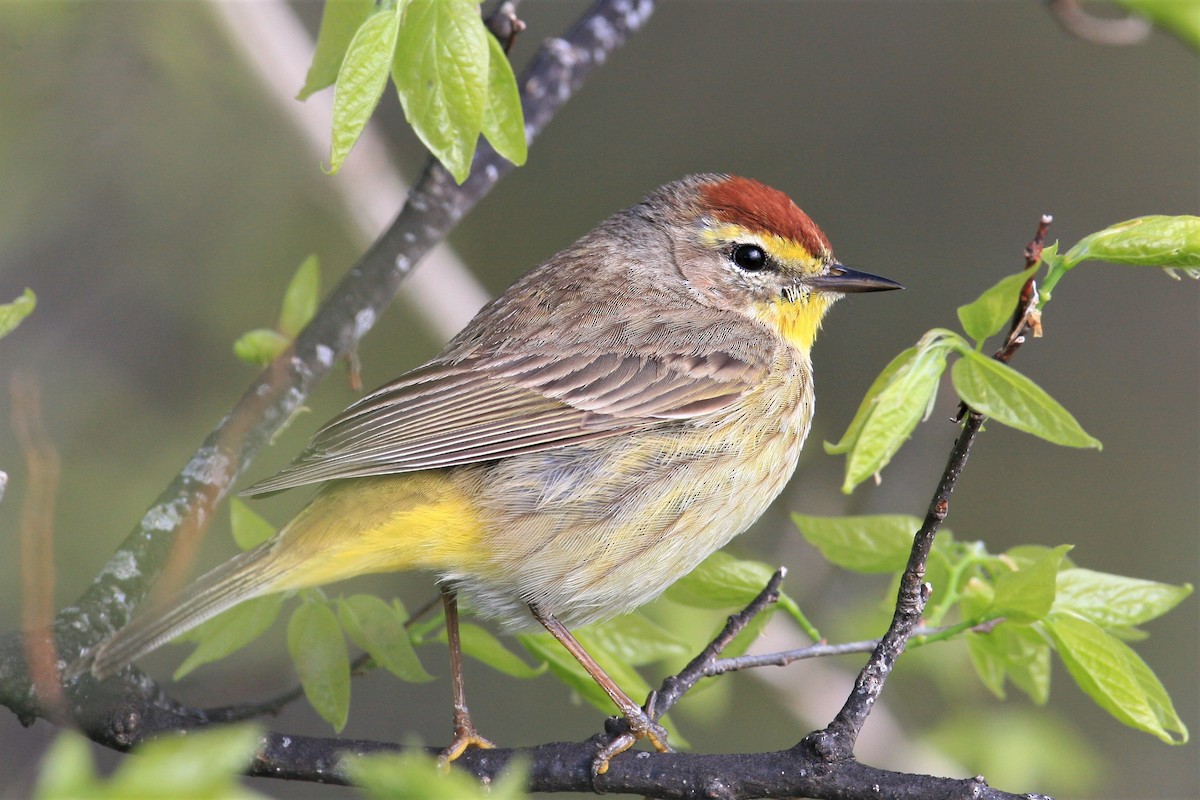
838, 738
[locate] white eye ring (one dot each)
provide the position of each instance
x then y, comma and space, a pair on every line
749, 257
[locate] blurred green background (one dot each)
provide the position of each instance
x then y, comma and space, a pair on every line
157, 200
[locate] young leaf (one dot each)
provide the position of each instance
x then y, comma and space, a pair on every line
546, 648
301, 298
198, 764
67, 771
721, 581
1115, 677
249, 528
1153, 241
12, 313
878, 543
441, 73
635, 639
260, 346
415, 775
1115, 601
1028, 661
319, 652
479, 644
1000, 392
906, 399
378, 628
503, 120
1181, 18
361, 80
994, 308
846, 444
1026, 595
340, 19
230, 631
1018, 653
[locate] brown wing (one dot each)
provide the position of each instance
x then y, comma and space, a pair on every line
461, 412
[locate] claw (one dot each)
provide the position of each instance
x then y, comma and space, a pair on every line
638, 725
463, 738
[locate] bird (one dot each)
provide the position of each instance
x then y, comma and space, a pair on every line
614, 417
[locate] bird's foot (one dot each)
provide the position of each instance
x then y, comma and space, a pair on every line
465, 736
638, 725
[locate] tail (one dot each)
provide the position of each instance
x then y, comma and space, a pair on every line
247, 575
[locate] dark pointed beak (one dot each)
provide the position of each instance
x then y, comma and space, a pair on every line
846, 281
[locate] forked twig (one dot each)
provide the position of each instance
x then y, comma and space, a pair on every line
837, 740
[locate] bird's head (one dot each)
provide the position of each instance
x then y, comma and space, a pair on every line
746, 247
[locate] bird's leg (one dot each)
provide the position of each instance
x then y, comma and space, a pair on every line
638, 723
465, 734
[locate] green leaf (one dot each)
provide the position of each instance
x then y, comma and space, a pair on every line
1026, 555
230, 631
905, 401
1115, 601
993, 309
301, 298
1026, 595
545, 647
415, 775
12, 313
378, 628
1000, 392
721, 581
503, 121
260, 346
1028, 656
1056, 268
846, 444
361, 80
441, 73
198, 764
319, 652
1153, 241
67, 771
1021, 747
481, 645
340, 19
635, 639
1115, 677
1016, 652
1179, 17
878, 543
249, 528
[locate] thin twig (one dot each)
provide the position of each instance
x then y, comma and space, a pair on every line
782, 658
505, 25
837, 740
675, 686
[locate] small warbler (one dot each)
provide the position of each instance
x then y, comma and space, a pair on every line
593, 434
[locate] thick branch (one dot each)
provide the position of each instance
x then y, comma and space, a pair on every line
567, 767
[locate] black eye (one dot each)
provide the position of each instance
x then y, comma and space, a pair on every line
749, 257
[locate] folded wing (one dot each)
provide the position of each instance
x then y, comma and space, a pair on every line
449, 413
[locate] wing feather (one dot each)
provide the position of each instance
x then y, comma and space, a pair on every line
455, 411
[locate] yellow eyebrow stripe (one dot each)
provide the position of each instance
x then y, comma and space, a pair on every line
794, 254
